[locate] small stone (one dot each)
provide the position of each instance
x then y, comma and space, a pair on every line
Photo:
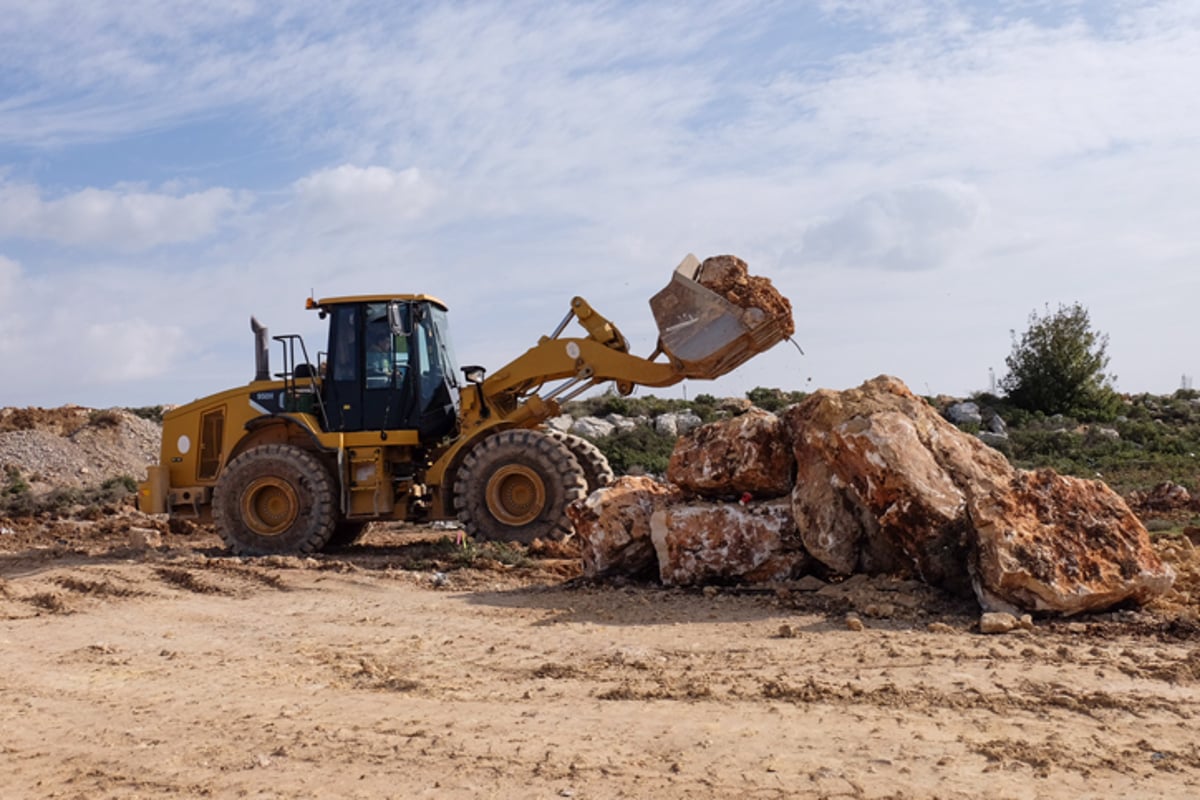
711, 591
809, 583
1026, 622
854, 623
879, 610
787, 631
997, 622
144, 538
939, 627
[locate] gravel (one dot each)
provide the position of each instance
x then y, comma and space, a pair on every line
77, 447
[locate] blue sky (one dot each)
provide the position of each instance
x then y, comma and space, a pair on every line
916, 176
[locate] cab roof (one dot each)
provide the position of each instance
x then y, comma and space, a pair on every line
375, 298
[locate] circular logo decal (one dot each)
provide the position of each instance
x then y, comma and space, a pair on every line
184, 444
572, 349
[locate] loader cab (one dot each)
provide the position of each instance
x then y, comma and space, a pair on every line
390, 365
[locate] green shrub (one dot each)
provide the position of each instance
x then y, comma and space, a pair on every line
106, 418
1058, 364
152, 413
773, 399
641, 448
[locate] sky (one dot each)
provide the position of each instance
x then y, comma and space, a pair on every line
917, 176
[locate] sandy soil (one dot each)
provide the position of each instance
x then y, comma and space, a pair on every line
381, 671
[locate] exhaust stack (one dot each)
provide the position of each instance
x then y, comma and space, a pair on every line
262, 353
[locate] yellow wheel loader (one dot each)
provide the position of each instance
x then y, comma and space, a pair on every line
380, 426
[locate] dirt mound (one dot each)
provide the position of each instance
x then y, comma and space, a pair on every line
74, 446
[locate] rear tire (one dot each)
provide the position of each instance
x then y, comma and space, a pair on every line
274, 500
596, 469
516, 485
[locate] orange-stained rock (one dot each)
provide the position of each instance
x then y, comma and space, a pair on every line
699, 543
884, 484
888, 503
613, 525
1056, 543
729, 276
747, 453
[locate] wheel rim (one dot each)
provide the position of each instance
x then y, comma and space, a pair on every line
270, 506
516, 495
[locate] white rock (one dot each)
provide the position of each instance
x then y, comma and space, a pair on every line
592, 428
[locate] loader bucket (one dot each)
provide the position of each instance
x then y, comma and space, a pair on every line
703, 334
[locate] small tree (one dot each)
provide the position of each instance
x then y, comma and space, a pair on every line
1057, 366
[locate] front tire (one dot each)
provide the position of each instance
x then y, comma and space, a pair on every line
274, 500
516, 485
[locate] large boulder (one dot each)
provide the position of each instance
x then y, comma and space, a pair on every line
1056, 543
893, 499
700, 543
613, 525
726, 458
884, 484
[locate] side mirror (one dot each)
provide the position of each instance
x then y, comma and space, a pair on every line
474, 374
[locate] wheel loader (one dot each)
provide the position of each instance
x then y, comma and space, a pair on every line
380, 426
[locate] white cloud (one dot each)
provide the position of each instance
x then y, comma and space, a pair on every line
10, 303
126, 350
351, 196
120, 219
916, 227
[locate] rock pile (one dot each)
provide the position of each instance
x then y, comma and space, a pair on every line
75, 446
873, 480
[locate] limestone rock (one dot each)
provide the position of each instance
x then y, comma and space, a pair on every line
666, 424
991, 439
884, 484
144, 538
1056, 543
687, 421
964, 414
730, 277
676, 424
613, 525
562, 422
701, 543
623, 424
997, 622
747, 453
592, 428
878, 482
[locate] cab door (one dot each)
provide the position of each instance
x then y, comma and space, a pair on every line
388, 374
342, 388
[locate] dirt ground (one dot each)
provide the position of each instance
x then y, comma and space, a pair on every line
159, 668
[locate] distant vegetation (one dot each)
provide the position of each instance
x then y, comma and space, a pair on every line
1151, 438
18, 500
152, 413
